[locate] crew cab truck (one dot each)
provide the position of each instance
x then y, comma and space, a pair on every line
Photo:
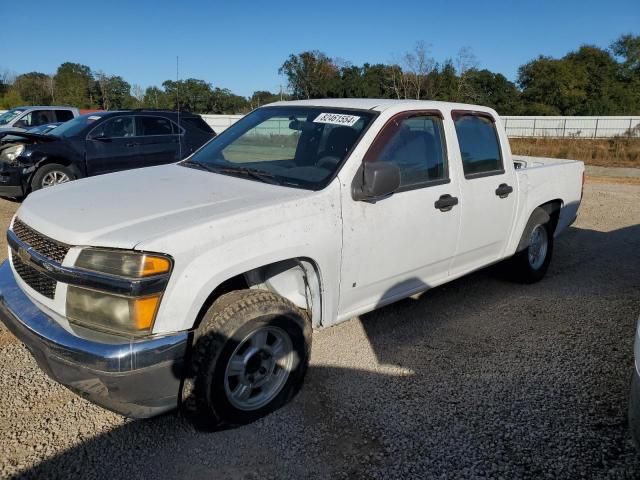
197, 284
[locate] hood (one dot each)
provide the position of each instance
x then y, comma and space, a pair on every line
26, 135
122, 209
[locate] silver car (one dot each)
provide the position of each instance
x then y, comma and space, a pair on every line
24, 118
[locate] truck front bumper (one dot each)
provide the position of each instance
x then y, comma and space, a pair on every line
133, 377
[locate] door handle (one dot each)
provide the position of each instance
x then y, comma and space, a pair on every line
445, 203
504, 190
130, 145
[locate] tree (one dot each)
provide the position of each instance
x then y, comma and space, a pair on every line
310, 74
495, 91
155, 97
73, 83
35, 88
6, 80
111, 92
554, 83
627, 47
262, 97
418, 65
466, 64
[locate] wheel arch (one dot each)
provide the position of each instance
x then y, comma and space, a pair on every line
546, 212
49, 159
297, 279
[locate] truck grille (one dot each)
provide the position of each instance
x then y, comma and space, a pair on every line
44, 245
51, 249
35, 279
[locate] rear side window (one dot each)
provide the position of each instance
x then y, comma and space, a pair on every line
154, 126
416, 145
479, 145
63, 115
196, 122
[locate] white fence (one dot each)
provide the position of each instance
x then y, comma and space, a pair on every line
555, 127
572, 127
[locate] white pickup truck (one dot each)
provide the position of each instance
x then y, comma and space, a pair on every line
197, 284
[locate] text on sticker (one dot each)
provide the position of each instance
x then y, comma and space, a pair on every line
337, 119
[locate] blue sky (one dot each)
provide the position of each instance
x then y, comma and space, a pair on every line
240, 44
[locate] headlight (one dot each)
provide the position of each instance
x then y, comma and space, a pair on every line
116, 313
9, 154
108, 311
123, 263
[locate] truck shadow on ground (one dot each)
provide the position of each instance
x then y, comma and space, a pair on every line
477, 378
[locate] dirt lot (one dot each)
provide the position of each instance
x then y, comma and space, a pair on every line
479, 378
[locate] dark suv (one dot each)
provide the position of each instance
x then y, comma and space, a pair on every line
97, 143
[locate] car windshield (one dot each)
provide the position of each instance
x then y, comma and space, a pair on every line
76, 126
293, 146
9, 115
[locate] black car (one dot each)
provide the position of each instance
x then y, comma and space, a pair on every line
97, 143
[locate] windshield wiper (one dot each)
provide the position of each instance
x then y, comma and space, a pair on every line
261, 175
198, 165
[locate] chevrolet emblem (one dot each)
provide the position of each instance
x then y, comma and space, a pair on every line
24, 255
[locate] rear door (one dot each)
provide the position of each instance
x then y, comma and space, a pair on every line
113, 146
158, 138
487, 196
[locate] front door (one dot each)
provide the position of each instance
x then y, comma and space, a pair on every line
402, 244
113, 146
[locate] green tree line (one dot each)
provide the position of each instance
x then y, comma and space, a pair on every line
587, 81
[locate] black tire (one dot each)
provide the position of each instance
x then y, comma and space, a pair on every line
37, 181
520, 267
206, 397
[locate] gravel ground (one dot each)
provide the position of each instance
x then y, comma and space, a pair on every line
481, 378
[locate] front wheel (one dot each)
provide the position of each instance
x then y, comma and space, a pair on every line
50, 175
249, 357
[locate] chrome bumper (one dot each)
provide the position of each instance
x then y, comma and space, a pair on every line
136, 378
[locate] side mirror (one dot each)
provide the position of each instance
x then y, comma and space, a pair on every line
375, 180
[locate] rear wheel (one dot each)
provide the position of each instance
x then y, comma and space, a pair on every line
531, 264
50, 175
249, 358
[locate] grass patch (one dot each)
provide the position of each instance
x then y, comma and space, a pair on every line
609, 152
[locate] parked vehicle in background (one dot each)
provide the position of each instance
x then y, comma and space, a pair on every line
17, 137
197, 284
24, 118
97, 143
634, 396
46, 128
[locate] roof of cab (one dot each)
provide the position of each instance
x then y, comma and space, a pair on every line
377, 104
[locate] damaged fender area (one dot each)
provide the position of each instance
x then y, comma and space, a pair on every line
296, 280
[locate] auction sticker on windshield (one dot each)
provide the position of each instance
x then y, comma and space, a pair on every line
337, 119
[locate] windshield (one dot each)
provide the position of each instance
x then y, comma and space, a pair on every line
76, 126
295, 146
6, 117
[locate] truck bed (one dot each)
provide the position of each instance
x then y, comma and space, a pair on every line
522, 162
543, 179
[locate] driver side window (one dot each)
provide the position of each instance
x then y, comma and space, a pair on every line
115, 128
415, 143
